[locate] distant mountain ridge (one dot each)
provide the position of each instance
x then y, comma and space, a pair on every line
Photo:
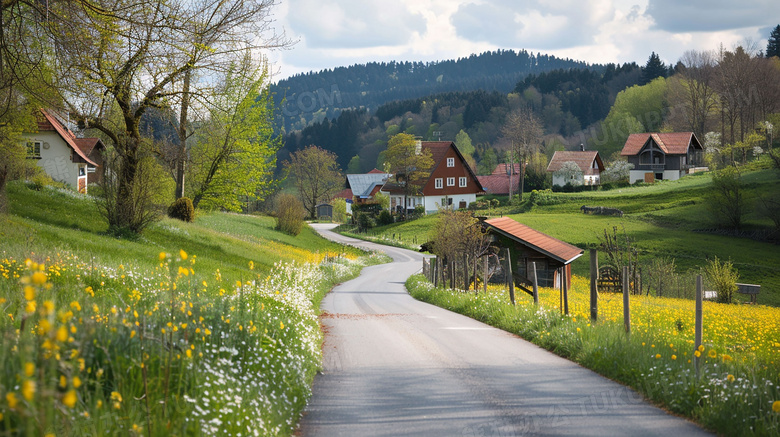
313, 96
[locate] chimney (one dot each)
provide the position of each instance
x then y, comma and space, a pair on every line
582, 147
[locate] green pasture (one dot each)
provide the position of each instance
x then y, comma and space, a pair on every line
666, 219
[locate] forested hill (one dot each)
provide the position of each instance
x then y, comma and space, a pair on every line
314, 96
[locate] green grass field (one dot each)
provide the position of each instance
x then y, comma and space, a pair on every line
204, 328
662, 219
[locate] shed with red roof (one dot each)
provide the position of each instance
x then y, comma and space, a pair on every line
527, 246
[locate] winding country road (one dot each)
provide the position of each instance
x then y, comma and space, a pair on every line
394, 366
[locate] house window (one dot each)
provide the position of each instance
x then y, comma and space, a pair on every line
439, 183
450, 182
462, 182
82, 171
34, 149
450, 162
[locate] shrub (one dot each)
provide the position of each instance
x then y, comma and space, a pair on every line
364, 221
385, 218
182, 209
289, 214
39, 181
723, 277
543, 197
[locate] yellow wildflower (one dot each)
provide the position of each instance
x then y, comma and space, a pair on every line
712, 353
62, 334
29, 292
30, 307
162, 256
39, 278
63, 381
29, 369
776, 407
70, 398
281, 325
11, 399
674, 357
730, 378
76, 382
183, 254
657, 356
28, 389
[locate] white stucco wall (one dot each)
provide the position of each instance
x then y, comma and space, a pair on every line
56, 160
432, 203
639, 175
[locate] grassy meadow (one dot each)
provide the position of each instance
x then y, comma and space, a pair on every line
192, 329
737, 391
669, 219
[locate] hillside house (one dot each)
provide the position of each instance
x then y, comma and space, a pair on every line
659, 156
452, 182
501, 181
588, 161
365, 186
65, 158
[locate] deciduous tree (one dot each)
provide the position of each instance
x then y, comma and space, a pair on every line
410, 164
316, 175
116, 59
525, 132
234, 153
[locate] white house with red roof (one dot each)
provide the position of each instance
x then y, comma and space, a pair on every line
62, 156
452, 182
588, 161
659, 156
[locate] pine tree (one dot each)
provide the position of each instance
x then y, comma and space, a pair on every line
773, 46
653, 69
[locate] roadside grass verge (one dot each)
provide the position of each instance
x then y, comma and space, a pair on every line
737, 392
192, 329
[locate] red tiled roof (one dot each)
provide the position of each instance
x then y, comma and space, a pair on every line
438, 149
344, 194
583, 159
52, 124
672, 143
87, 145
498, 183
502, 169
375, 171
552, 247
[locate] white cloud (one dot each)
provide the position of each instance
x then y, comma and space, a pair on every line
334, 33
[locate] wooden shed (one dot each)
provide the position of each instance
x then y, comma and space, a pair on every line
324, 210
527, 245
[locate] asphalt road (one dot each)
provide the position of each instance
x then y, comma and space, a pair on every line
394, 366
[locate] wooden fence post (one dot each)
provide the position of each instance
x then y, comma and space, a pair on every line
511, 278
699, 324
626, 308
560, 289
565, 291
594, 277
476, 290
466, 272
436, 270
485, 275
535, 283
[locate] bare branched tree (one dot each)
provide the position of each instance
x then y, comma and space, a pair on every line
525, 132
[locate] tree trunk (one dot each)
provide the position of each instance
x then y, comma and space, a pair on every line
522, 179
181, 155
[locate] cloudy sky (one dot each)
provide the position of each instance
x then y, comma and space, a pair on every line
333, 33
